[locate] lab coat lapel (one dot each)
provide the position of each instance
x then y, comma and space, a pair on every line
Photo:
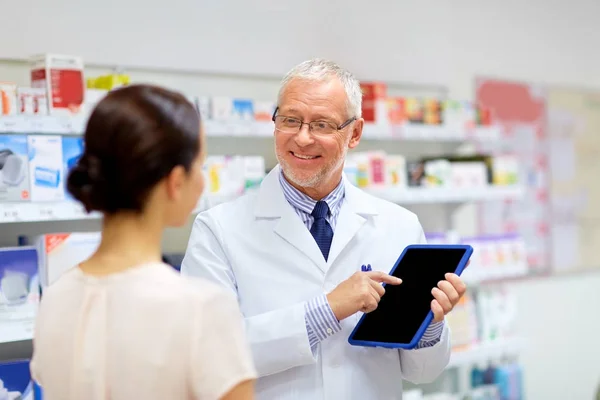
355, 211
271, 203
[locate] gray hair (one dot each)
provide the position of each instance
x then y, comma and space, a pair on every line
318, 69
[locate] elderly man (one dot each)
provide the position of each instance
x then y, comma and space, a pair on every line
292, 253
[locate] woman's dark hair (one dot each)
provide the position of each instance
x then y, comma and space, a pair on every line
134, 138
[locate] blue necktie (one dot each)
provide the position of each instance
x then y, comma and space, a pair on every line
320, 229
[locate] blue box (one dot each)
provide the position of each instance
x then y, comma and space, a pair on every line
16, 379
45, 167
72, 148
14, 169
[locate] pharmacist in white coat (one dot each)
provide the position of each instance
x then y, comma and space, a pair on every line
292, 253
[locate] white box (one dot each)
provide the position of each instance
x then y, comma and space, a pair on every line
222, 108
19, 292
14, 169
59, 252
46, 167
63, 78
204, 107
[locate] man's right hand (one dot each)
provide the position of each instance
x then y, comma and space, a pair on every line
361, 292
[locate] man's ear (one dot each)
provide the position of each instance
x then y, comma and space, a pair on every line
357, 130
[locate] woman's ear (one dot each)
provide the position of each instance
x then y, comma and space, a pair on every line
175, 182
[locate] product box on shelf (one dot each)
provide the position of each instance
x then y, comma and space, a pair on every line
72, 149
14, 169
374, 107
483, 116
263, 110
496, 313
221, 108
465, 171
232, 175
415, 110
46, 167
243, 110
463, 323
376, 168
62, 77
32, 101
59, 252
253, 172
432, 112
415, 173
458, 115
505, 169
204, 107
16, 382
8, 98
92, 98
496, 257
108, 82
19, 292
396, 110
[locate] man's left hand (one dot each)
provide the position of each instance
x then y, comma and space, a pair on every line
446, 295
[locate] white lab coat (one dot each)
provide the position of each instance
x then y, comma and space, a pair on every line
258, 247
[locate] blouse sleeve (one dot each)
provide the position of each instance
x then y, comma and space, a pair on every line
221, 357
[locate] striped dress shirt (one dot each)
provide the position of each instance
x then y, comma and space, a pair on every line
320, 319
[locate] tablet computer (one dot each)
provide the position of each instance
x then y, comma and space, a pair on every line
404, 312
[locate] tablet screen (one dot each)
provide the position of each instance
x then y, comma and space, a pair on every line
404, 307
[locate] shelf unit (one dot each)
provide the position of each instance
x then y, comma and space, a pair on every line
383, 136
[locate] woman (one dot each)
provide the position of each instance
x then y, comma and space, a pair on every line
123, 325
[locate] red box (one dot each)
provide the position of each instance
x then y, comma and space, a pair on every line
62, 77
373, 92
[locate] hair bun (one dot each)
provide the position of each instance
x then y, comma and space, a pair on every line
87, 184
94, 168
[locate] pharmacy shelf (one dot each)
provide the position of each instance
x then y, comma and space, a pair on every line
476, 274
490, 350
16, 331
430, 133
68, 210
65, 125
43, 211
424, 195
73, 211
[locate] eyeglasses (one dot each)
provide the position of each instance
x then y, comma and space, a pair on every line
293, 125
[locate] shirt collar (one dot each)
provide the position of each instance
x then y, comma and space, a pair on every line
303, 202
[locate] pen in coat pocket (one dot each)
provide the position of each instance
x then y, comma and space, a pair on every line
366, 268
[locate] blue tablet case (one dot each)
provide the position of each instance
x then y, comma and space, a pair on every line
421, 331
